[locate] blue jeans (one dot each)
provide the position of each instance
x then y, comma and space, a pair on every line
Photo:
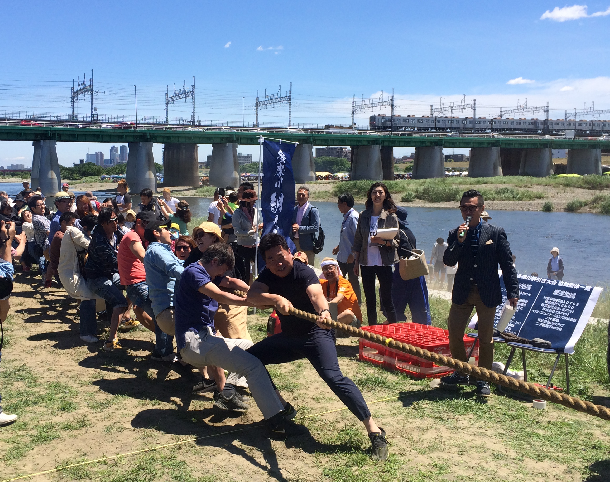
413, 292
138, 294
88, 322
42, 261
109, 290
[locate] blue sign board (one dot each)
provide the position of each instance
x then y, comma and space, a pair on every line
556, 311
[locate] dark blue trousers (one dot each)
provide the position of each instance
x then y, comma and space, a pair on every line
319, 348
413, 292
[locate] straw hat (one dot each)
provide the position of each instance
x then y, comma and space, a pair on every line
485, 216
555, 250
208, 227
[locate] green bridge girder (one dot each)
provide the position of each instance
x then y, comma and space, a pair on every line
244, 137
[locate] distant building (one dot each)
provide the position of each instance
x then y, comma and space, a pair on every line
91, 158
114, 156
455, 157
244, 158
16, 167
123, 154
344, 152
99, 158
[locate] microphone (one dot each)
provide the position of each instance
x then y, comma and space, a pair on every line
462, 233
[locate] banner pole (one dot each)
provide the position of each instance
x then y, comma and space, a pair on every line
259, 209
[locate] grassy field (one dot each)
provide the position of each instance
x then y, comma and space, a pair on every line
139, 421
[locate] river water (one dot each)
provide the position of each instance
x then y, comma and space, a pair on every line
580, 237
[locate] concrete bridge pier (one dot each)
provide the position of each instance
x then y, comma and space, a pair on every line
536, 162
387, 163
224, 168
484, 162
366, 163
303, 166
429, 162
45, 168
584, 161
140, 167
180, 165
510, 161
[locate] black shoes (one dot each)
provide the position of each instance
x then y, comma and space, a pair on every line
281, 426
483, 389
454, 380
232, 403
379, 445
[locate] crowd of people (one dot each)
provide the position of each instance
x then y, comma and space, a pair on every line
182, 287
192, 290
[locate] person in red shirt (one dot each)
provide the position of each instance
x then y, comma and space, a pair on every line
339, 290
133, 276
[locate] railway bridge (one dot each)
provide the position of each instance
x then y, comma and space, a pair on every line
372, 152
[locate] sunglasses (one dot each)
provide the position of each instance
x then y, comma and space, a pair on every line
183, 248
200, 234
468, 208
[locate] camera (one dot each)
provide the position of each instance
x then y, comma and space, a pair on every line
221, 191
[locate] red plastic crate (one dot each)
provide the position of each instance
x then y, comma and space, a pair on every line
429, 338
371, 352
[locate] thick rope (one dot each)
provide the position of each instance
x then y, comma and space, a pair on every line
477, 372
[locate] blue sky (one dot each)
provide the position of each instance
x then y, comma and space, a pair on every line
499, 53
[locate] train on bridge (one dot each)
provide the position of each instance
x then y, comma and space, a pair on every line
581, 128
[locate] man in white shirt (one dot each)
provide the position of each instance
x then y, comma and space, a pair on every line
213, 211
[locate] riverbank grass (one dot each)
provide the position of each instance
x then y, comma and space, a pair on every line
139, 420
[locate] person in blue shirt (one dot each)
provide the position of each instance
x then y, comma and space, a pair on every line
343, 250
196, 302
63, 203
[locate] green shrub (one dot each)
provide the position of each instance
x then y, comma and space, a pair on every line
575, 205
408, 197
510, 194
358, 189
604, 207
438, 193
547, 207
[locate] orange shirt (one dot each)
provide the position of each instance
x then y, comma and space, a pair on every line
349, 301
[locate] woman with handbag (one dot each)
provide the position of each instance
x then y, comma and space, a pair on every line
374, 254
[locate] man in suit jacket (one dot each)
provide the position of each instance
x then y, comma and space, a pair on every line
305, 224
478, 248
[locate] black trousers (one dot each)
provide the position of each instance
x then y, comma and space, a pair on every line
319, 348
247, 253
347, 269
384, 275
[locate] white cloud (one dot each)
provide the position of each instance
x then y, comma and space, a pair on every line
13, 159
601, 14
566, 88
274, 49
520, 80
574, 12
227, 45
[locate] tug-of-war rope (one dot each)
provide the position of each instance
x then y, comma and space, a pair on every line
462, 367
477, 372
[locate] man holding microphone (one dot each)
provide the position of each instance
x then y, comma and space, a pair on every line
478, 248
